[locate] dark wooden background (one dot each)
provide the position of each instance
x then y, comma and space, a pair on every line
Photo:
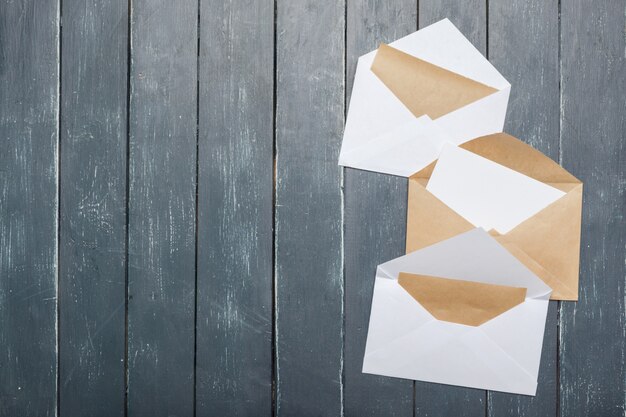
177, 239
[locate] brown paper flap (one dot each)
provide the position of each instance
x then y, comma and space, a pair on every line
513, 153
425, 88
429, 220
463, 302
552, 239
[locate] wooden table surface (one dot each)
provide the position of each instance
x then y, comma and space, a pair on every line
177, 239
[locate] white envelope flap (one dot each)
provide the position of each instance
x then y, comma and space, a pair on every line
443, 45
471, 256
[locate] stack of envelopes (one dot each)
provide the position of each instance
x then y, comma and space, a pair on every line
493, 225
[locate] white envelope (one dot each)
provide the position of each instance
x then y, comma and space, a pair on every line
405, 340
382, 134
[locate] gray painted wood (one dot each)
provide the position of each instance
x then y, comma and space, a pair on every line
29, 97
161, 271
375, 222
92, 246
235, 218
308, 211
320, 324
523, 45
470, 17
593, 122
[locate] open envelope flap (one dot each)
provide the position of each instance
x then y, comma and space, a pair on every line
443, 45
514, 154
458, 301
425, 88
472, 256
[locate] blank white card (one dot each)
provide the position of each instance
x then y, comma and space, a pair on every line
485, 193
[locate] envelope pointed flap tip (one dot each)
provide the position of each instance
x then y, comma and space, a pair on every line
463, 302
514, 154
424, 88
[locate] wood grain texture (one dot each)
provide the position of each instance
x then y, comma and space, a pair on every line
235, 118
29, 104
470, 17
593, 147
523, 46
161, 274
235, 220
92, 249
308, 213
375, 222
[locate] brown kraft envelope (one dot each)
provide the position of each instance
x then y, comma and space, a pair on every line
548, 243
425, 88
463, 302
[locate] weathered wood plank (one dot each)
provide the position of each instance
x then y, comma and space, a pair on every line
92, 245
470, 18
308, 211
235, 220
593, 147
161, 272
375, 222
523, 45
29, 97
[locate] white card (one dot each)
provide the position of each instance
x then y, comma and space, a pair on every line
485, 193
